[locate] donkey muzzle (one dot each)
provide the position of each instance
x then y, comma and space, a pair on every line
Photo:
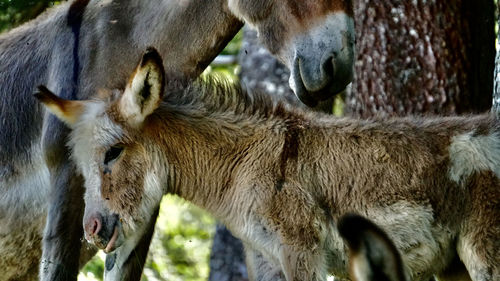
104, 231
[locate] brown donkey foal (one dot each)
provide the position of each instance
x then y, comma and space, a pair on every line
280, 178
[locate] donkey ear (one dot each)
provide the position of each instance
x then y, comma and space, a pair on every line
373, 256
67, 111
144, 91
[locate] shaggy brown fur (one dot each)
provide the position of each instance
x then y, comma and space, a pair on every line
280, 178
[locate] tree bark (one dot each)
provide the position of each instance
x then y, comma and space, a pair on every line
422, 57
261, 72
227, 261
496, 87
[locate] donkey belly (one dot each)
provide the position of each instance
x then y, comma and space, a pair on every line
426, 247
23, 208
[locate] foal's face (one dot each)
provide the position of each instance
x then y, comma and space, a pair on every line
123, 184
314, 38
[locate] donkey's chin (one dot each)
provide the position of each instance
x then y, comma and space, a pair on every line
110, 243
312, 98
115, 242
328, 88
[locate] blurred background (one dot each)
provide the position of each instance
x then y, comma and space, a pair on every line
413, 57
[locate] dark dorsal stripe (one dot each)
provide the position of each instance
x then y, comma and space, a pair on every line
290, 152
74, 20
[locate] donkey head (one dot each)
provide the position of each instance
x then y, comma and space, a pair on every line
314, 38
373, 256
122, 184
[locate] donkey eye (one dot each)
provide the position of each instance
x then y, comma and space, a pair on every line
113, 153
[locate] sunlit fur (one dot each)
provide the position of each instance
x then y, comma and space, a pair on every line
280, 178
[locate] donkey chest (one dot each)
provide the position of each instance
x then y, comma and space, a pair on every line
257, 234
23, 208
23, 200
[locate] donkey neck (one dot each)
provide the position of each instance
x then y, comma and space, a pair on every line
202, 29
203, 154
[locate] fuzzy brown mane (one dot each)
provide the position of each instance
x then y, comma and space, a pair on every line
216, 95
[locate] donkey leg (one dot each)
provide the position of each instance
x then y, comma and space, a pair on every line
63, 229
261, 269
478, 244
305, 265
480, 254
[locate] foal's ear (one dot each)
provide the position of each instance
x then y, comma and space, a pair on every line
144, 91
67, 111
372, 255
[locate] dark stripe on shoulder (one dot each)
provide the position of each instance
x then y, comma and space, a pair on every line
290, 152
74, 20
75, 13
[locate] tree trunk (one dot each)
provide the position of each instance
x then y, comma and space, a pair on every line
496, 87
422, 57
227, 261
261, 72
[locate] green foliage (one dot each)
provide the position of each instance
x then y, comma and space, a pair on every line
233, 47
94, 269
15, 12
230, 71
180, 249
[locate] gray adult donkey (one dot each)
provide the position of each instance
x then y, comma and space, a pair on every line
80, 47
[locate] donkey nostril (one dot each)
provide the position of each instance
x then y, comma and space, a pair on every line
94, 226
328, 67
97, 226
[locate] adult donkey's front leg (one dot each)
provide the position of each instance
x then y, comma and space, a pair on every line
63, 230
63, 233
